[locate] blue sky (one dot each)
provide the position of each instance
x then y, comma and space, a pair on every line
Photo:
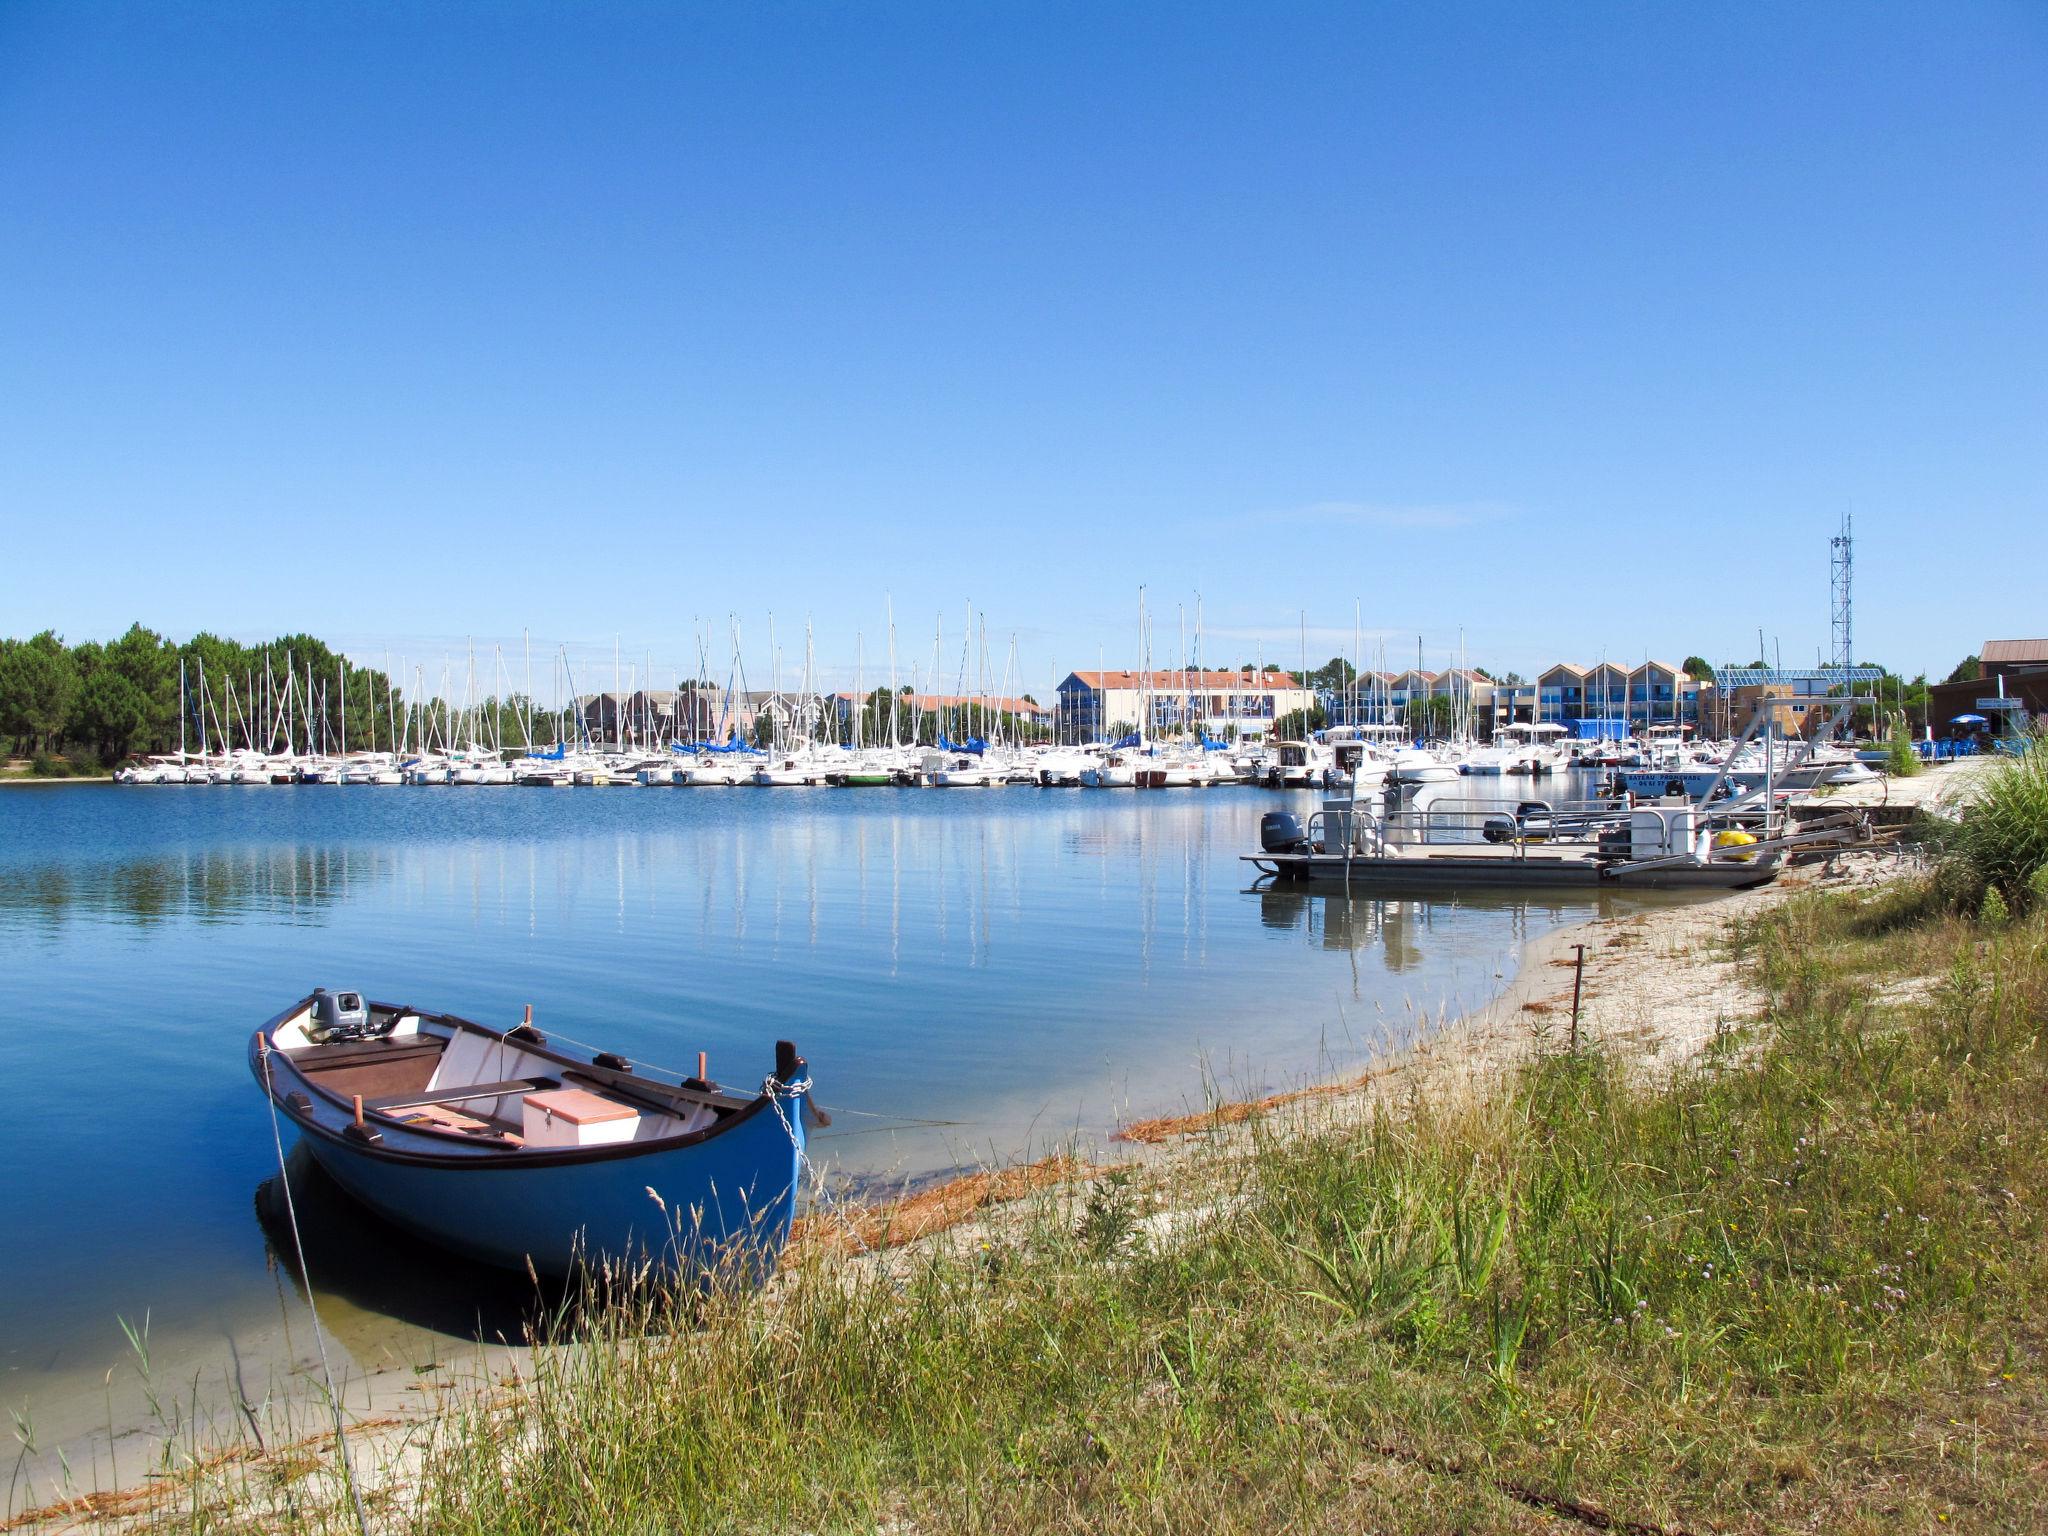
1573, 329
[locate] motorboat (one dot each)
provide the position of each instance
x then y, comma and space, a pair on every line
961, 770
1062, 766
514, 1150
1115, 770
786, 772
1419, 765
1300, 764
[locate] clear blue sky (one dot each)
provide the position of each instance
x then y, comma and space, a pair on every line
1577, 328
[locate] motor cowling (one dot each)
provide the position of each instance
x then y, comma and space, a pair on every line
1282, 832
339, 1016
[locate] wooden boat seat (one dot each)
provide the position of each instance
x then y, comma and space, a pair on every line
385, 1103
310, 1058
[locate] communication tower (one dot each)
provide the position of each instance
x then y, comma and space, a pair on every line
1843, 565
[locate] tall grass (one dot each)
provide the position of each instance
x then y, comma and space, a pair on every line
1799, 1285
1900, 760
1999, 845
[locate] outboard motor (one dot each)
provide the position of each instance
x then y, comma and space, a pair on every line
1499, 829
1281, 832
339, 1016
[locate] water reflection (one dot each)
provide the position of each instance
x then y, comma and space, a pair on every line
1401, 925
357, 1258
220, 885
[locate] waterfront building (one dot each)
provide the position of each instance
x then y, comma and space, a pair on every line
1561, 693
1091, 703
2011, 691
1409, 687
950, 704
1662, 694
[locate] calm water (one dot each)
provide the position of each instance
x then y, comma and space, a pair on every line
972, 974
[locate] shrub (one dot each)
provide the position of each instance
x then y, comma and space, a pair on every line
1901, 761
2001, 842
44, 766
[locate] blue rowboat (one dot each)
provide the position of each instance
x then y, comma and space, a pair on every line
512, 1150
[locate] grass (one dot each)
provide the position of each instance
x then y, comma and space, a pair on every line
1998, 847
1901, 761
1799, 1285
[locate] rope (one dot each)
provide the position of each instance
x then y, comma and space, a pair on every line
679, 1075
291, 1212
775, 1089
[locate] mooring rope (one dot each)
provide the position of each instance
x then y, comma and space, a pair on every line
291, 1211
774, 1088
680, 1075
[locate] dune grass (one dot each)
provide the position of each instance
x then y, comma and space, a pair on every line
1997, 849
1799, 1285
1900, 760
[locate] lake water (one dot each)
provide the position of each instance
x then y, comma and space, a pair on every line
973, 975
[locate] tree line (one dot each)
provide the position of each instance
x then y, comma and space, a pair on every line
100, 702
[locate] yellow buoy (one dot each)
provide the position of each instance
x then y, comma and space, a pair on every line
1733, 839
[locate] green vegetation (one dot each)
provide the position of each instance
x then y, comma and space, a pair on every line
1297, 724
1433, 715
1998, 848
96, 703
1799, 1286
1900, 760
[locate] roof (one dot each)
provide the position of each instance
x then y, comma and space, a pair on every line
960, 701
2009, 651
1562, 666
1662, 666
1174, 682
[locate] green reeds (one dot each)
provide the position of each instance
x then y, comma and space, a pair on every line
1900, 760
1999, 844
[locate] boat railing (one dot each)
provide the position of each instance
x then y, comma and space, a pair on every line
1361, 830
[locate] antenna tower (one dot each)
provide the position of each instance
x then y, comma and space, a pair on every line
1842, 565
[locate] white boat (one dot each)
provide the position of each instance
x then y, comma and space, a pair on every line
1063, 766
1300, 765
960, 770
1116, 770
787, 772
1356, 762
717, 770
1419, 765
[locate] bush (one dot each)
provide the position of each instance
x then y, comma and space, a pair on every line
44, 766
2001, 842
1901, 761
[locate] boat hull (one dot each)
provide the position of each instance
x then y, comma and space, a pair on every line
713, 1203
1493, 869
725, 1202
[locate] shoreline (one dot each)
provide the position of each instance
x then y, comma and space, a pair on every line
1659, 985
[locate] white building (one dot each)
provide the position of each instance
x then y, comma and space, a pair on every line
1163, 703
